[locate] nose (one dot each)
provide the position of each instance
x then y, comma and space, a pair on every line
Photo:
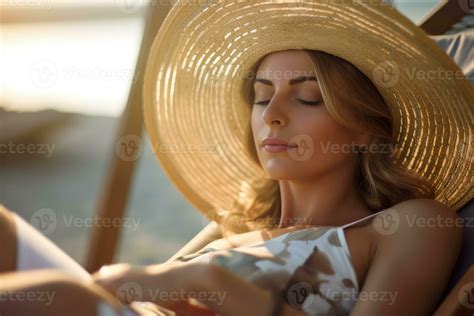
274, 113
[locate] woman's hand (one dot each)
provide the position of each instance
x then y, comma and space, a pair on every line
186, 288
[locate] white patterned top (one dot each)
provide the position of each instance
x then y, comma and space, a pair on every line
311, 268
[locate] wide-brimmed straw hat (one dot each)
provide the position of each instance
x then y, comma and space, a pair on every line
198, 68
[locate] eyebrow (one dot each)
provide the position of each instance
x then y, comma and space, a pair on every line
292, 81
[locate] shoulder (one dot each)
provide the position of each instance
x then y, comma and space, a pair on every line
415, 214
417, 221
418, 242
417, 232
425, 206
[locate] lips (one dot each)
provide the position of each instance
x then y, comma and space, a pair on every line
276, 142
277, 148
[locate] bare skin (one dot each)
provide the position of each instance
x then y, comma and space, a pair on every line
361, 240
390, 269
317, 187
55, 291
49, 292
320, 191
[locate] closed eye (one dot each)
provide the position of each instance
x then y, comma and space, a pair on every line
300, 100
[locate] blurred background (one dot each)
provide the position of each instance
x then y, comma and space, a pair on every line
66, 72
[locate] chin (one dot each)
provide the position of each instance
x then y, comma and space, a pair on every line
279, 172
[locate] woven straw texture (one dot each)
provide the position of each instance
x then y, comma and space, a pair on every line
195, 108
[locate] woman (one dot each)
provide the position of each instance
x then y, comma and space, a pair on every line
329, 188
284, 209
321, 190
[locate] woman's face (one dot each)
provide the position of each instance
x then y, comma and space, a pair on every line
296, 113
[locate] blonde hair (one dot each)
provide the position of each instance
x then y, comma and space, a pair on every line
354, 102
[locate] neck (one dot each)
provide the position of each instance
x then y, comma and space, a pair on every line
329, 200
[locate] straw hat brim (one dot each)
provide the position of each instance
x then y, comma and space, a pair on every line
194, 90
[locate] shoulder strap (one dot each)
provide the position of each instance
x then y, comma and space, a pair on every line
363, 218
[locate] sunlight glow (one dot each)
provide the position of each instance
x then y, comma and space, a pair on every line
84, 66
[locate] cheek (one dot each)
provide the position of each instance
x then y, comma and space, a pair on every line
325, 132
255, 120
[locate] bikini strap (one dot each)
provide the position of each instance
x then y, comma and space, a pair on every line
364, 218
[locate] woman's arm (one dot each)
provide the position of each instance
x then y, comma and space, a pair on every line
25, 248
177, 286
412, 262
30, 286
52, 293
211, 286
